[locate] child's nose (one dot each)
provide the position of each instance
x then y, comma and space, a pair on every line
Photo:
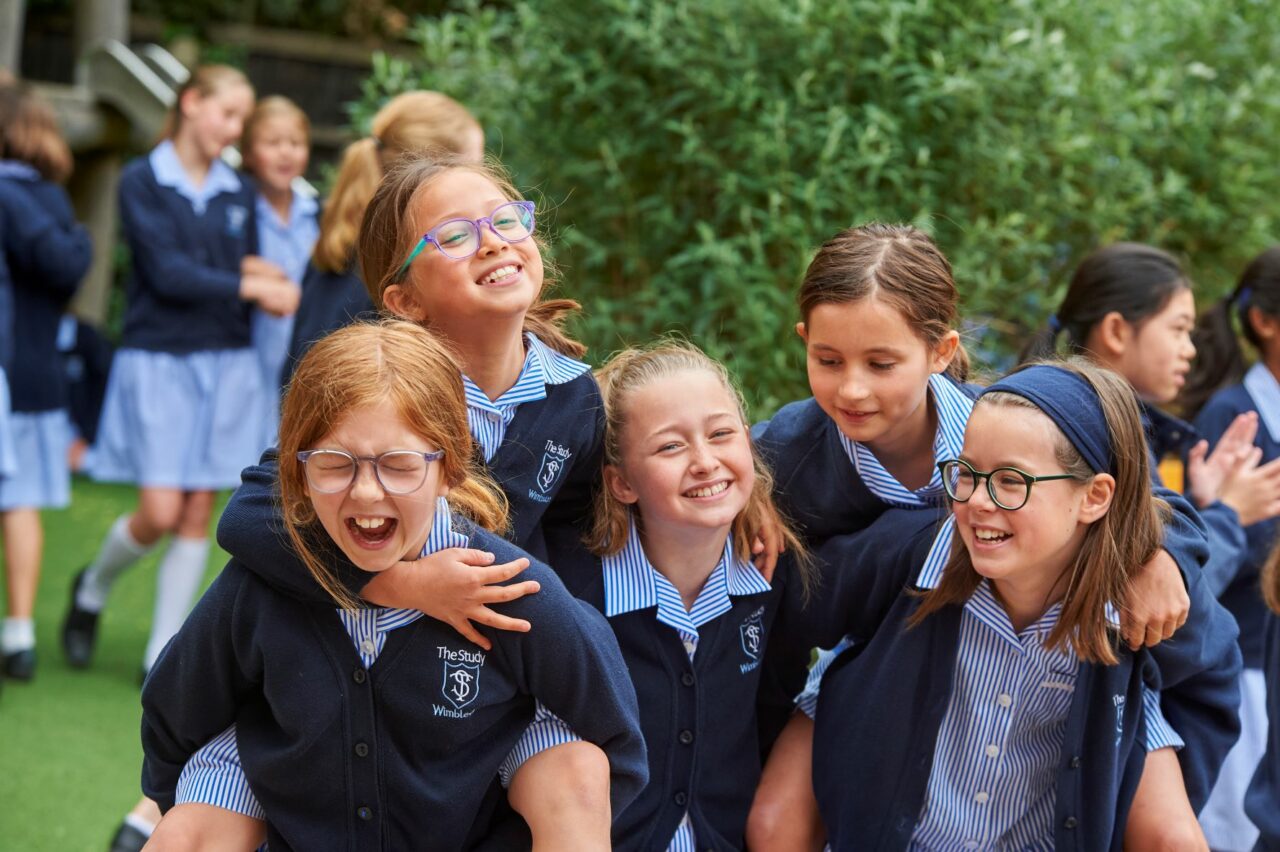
366, 486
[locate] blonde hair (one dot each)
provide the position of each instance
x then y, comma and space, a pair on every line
1114, 547
363, 365
387, 237
627, 372
412, 123
272, 106
1271, 579
206, 80
30, 133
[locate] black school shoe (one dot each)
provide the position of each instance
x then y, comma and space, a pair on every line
79, 629
128, 839
20, 665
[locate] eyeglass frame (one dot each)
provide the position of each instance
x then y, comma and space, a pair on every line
429, 238
433, 456
1028, 479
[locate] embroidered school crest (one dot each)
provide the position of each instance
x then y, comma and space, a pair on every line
555, 459
752, 633
461, 683
236, 216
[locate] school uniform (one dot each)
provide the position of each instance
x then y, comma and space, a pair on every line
1264, 791
960, 733
8, 457
330, 301
48, 253
184, 400
1225, 823
541, 442
287, 244
414, 719
696, 673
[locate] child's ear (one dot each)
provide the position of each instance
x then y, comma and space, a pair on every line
1111, 336
944, 351
1097, 497
803, 331
399, 300
1263, 324
618, 485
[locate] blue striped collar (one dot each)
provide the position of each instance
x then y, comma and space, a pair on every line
1264, 390
542, 366
302, 207
982, 605
169, 172
953, 407
18, 170
631, 583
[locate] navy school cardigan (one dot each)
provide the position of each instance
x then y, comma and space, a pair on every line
330, 301
880, 709
287, 674
6, 306
1262, 801
184, 284
568, 424
1238, 590
48, 252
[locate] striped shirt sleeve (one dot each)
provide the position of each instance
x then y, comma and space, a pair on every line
547, 730
1160, 734
214, 776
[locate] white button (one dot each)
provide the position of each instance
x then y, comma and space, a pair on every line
689, 646
367, 647
981, 798
1005, 700
993, 751
971, 844
493, 415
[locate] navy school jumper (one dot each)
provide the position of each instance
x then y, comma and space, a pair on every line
568, 423
881, 708
184, 284
1238, 590
48, 253
817, 487
287, 674
330, 301
1262, 801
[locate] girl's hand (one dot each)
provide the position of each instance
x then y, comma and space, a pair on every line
1254, 489
1158, 603
276, 296
252, 264
766, 548
1207, 475
455, 586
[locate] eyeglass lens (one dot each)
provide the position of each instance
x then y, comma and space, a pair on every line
399, 471
460, 238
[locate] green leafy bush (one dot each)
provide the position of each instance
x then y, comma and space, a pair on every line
693, 155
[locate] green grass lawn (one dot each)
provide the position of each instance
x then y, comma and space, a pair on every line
70, 757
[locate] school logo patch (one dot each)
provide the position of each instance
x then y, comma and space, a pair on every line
751, 632
461, 683
555, 459
236, 217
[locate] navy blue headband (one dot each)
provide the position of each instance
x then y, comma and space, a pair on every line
1071, 403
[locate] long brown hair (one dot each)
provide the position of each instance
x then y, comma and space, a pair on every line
623, 375
29, 133
387, 238
1114, 546
1271, 579
359, 366
412, 123
898, 263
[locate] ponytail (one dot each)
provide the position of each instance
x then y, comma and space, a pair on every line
481, 500
1043, 345
357, 180
545, 321
960, 365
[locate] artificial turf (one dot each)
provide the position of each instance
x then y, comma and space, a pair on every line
70, 757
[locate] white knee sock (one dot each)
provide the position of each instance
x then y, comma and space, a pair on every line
119, 550
18, 634
177, 582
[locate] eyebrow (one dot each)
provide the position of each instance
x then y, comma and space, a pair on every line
875, 350
711, 418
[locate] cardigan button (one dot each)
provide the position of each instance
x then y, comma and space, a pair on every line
359, 675
1074, 763
686, 737
362, 749
681, 799
364, 813
1070, 822
687, 678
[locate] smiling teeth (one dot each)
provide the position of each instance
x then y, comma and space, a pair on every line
990, 535
709, 491
500, 273
370, 523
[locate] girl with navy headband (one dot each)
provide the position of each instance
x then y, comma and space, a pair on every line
181, 415
1232, 390
878, 308
1130, 307
991, 702
47, 253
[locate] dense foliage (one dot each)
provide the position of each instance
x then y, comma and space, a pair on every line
692, 154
